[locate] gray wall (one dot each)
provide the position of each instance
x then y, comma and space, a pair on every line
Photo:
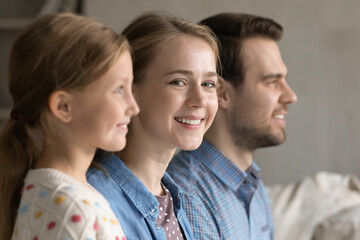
321, 48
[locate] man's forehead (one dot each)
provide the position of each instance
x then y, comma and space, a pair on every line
263, 54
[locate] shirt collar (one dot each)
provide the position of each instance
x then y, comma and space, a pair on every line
224, 168
139, 195
174, 190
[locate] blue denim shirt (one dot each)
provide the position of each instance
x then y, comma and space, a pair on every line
133, 204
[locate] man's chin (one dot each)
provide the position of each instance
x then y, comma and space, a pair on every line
271, 140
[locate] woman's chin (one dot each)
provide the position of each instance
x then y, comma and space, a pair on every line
190, 145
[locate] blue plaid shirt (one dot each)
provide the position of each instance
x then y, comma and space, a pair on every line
221, 201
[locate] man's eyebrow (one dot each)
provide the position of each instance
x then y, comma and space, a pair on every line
189, 73
276, 75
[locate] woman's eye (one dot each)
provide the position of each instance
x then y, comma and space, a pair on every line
209, 84
178, 82
119, 90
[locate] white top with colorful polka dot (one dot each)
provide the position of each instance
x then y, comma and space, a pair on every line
55, 206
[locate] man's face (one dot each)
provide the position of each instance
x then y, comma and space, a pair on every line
260, 104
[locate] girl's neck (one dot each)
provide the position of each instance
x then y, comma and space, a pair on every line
66, 159
148, 161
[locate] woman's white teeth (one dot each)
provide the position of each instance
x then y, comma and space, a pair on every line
280, 116
188, 121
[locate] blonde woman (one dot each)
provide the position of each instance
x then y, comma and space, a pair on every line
175, 87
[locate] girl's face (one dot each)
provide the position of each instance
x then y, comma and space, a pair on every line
177, 96
102, 112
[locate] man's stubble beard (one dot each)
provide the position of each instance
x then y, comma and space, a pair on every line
253, 137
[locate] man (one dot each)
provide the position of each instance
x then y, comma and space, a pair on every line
225, 196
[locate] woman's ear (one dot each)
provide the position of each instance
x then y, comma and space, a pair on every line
223, 93
60, 105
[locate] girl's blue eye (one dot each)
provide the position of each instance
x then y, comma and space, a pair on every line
119, 90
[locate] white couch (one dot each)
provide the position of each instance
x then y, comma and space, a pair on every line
325, 206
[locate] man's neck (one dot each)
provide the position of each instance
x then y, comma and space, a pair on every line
241, 156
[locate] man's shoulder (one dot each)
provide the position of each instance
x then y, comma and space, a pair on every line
185, 165
191, 174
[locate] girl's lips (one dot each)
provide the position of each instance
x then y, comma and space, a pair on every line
122, 124
126, 123
123, 127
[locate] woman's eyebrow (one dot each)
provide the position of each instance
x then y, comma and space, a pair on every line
190, 73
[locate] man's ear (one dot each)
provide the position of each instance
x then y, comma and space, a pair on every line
223, 93
60, 105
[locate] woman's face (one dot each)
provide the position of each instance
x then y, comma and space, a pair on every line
177, 95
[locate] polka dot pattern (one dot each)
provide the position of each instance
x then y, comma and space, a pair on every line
167, 218
76, 218
29, 187
60, 200
38, 214
23, 209
57, 207
96, 226
43, 193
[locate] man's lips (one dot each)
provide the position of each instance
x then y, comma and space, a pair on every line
280, 116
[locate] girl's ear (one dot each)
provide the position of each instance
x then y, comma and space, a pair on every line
223, 93
60, 105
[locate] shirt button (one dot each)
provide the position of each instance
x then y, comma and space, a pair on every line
153, 210
180, 217
158, 227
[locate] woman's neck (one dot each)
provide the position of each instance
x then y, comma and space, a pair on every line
148, 161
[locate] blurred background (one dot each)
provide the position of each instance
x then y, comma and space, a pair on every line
321, 48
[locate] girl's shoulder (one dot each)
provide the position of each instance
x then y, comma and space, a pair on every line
56, 206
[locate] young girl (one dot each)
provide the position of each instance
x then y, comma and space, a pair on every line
175, 86
70, 79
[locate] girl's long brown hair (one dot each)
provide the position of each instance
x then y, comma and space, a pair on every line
58, 51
